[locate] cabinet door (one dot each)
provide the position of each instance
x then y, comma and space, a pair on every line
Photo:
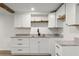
51, 20
18, 21
60, 12
52, 46
70, 13
70, 51
26, 20
34, 45
44, 45
58, 49
20, 50
22, 20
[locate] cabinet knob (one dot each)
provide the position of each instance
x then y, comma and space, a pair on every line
57, 54
57, 46
19, 39
38, 41
19, 49
19, 44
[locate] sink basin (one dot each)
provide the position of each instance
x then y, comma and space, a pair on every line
38, 36
41, 36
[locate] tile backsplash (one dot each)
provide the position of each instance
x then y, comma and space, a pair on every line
43, 31
22, 31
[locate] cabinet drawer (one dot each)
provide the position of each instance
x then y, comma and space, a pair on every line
19, 45
58, 49
20, 42
57, 54
20, 50
57, 46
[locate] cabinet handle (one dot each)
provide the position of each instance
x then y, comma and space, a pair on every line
19, 44
19, 39
57, 54
19, 49
38, 41
57, 46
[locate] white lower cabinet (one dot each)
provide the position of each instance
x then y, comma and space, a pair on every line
52, 46
58, 50
32, 46
17, 50
20, 46
20, 42
66, 50
43, 45
39, 46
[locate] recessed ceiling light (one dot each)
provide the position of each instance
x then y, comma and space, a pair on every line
32, 9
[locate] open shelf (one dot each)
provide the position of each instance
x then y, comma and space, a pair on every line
39, 24
62, 18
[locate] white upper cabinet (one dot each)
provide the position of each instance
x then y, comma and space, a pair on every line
51, 20
72, 14
59, 13
18, 21
54, 18
22, 20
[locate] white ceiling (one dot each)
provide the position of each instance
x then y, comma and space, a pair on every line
39, 7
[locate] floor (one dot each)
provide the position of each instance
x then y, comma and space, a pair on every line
8, 53
5, 53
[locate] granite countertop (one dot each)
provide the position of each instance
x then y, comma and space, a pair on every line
68, 43
32, 37
36, 36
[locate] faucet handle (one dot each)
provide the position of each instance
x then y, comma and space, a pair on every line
43, 35
38, 30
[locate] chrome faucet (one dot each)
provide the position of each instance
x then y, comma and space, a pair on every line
38, 32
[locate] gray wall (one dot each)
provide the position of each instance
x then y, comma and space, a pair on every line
6, 30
